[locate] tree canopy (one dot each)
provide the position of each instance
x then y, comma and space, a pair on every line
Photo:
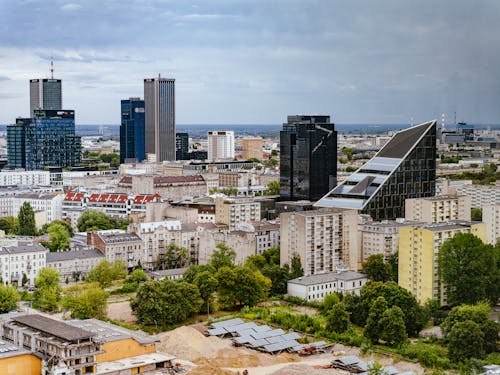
105, 272
8, 298
47, 290
376, 269
222, 256
86, 301
59, 237
174, 257
9, 224
26, 219
470, 270
93, 220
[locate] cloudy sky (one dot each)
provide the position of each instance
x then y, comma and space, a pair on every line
258, 61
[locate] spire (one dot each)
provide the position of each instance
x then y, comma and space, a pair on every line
51, 68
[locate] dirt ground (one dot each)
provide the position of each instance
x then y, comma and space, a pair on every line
121, 311
212, 355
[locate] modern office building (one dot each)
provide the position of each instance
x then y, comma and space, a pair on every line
252, 147
220, 145
181, 146
418, 256
45, 94
404, 168
308, 157
46, 140
159, 104
438, 209
132, 133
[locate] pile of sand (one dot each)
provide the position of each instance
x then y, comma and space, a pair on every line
190, 344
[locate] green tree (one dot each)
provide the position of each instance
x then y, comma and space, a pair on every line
373, 328
93, 220
69, 229
8, 298
86, 302
393, 327
47, 290
273, 188
24, 280
476, 214
207, 285
329, 301
470, 269
376, 269
337, 319
296, 267
59, 237
193, 270
393, 262
465, 341
375, 368
166, 302
174, 257
268, 263
9, 224
26, 218
133, 280
222, 256
349, 152
105, 272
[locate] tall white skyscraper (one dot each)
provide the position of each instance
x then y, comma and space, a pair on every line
220, 145
159, 105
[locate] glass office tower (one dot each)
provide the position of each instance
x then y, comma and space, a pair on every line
404, 168
181, 146
45, 94
47, 139
308, 157
132, 130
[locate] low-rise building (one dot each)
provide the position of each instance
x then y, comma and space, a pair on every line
51, 203
317, 287
172, 274
118, 244
74, 265
491, 218
21, 177
267, 234
24, 258
438, 209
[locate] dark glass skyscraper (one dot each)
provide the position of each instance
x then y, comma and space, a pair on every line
159, 104
132, 130
45, 94
308, 157
181, 146
404, 168
46, 139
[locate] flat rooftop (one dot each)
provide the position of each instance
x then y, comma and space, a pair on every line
53, 327
328, 277
132, 362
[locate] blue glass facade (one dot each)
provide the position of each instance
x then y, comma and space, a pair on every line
132, 130
47, 139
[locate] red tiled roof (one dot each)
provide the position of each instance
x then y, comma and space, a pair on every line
126, 180
74, 197
108, 198
142, 199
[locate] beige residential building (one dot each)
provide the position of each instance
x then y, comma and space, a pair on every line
244, 244
234, 211
252, 147
491, 218
326, 240
118, 244
438, 209
481, 195
418, 256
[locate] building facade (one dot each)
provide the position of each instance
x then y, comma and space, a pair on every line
326, 240
491, 218
220, 145
481, 195
308, 157
252, 147
132, 130
181, 146
159, 104
29, 178
418, 256
74, 265
404, 168
235, 211
24, 258
438, 209
45, 93
46, 140
117, 244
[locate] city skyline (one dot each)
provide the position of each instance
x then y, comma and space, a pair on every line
359, 61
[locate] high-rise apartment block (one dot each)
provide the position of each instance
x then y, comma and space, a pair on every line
404, 168
491, 218
435, 210
45, 94
326, 240
234, 211
418, 256
132, 130
252, 147
481, 195
159, 104
308, 157
46, 140
181, 146
220, 145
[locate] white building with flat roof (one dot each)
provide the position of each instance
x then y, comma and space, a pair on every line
220, 145
28, 178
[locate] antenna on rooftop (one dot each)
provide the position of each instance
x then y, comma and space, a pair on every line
51, 68
442, 122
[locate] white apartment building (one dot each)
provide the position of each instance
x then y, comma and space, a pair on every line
481, 195
220, 145
438, 209
51, 203
235, 211
381, 237
25, 258
74, 265
317, 287
491, 218
28, 178
326, 240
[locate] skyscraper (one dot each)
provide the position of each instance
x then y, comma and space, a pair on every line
308, 157
132, 132
46, 139
404, 168
181, 146
220, 145
45, 93
159, 104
